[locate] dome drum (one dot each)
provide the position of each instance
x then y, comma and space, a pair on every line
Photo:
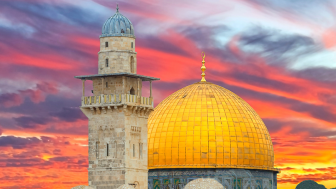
228, 178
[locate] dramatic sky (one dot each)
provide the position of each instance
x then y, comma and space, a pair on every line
278, 55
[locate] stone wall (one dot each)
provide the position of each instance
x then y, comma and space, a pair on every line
117, 43
112, 161
117, 139
119, 53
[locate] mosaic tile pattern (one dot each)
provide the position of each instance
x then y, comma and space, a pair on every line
229, 178
207, 126
204, 183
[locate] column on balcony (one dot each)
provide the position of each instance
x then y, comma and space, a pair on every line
150, 92
138, 87
150, 88
138, 93
102, 92
103, 86
123, 95
83, 86
83, 92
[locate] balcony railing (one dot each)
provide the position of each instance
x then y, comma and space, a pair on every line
115, 99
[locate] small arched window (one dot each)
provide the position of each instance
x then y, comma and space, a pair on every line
107, 63
122, 31
106, 84
132, 91
133, 150
132, 45
106, 44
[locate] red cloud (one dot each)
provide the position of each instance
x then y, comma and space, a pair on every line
36, 95
329, 38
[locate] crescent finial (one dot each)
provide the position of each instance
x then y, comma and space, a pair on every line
203, 68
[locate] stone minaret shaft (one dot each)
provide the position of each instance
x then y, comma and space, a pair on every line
117, 112
117, 54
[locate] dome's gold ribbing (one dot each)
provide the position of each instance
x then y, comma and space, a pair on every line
204, 125
203, 68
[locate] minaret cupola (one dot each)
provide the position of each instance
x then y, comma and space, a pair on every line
117, 25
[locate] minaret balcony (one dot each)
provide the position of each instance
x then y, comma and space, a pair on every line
115, 100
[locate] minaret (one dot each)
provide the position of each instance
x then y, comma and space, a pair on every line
117, 112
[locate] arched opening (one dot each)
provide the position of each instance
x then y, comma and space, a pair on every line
106, 62
132, 64
132, 91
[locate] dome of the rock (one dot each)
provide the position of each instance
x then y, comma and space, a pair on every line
204, 125
201, 136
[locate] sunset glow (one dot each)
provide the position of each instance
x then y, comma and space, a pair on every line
279, 56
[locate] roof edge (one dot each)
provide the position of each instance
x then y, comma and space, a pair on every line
144, 78
117, 35
214, 167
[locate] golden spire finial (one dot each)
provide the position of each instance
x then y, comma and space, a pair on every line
203, 68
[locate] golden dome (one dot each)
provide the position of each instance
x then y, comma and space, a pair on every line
204, 125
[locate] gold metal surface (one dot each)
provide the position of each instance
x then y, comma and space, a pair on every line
203, 68
207, 126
